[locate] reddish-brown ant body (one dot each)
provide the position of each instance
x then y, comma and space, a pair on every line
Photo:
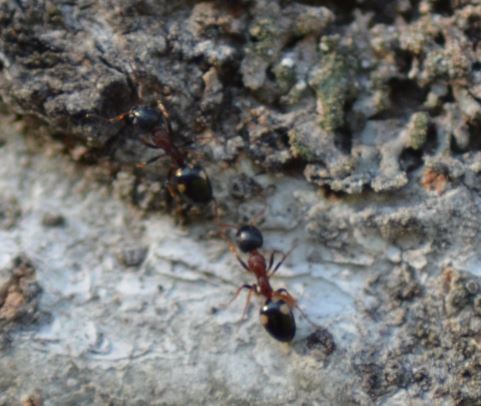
276, 313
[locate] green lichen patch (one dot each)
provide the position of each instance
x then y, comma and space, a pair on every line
299, 149
417, 130
264, 35
333, 80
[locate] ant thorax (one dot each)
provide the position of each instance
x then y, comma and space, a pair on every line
257, 263
265, 288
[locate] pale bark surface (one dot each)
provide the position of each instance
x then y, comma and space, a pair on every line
355, 127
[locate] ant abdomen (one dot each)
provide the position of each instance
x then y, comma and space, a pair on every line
277, 318
192, 184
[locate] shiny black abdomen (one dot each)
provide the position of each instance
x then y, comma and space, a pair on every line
193, 184
249, 238
277, 318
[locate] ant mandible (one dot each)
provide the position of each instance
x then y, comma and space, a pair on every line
276, 314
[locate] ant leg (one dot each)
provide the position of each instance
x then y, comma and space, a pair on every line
170, 188
252, 289
120, 117
237, 293
244, 265
155, 158
221, 227
147, 143
259, 217
163, 110
284, 295
180, 214
233, 249
271, 260
248, 301
149, 161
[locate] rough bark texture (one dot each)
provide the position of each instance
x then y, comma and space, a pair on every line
354, 125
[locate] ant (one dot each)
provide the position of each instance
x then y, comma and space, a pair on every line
276, 314
151, 125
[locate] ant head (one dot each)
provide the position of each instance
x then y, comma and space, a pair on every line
249, 238
146, 118
277, 318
